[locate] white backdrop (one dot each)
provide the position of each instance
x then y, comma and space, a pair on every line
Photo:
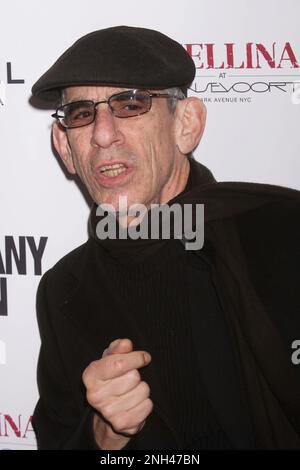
250, 136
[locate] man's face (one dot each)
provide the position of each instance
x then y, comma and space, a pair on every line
155, 169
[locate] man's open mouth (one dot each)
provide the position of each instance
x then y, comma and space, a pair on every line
113, 170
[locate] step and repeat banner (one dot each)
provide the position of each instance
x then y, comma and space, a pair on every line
247, 55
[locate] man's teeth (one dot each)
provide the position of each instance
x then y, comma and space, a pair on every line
113, 170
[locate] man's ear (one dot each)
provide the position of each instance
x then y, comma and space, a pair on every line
61, 144
190, 123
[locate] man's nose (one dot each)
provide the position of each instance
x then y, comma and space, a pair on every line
105, 130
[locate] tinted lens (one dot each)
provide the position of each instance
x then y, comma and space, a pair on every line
79, 113
130, 103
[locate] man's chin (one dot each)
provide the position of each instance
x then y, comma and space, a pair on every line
125, 209
120, 203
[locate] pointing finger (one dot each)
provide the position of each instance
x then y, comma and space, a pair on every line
115, 365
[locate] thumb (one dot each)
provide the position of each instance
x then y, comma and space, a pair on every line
119, 346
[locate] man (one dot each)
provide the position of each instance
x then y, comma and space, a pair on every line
146, 344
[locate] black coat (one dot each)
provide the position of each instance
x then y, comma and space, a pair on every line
74, 332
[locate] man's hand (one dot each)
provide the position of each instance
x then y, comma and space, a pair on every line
115, 390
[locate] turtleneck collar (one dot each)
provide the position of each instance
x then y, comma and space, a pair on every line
133, 251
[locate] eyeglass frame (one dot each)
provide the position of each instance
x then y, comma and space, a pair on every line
150, 95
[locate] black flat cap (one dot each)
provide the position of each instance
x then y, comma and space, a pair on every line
121, 56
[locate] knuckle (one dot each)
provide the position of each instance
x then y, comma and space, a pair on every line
145, 388
92, 397
119, 422
108, 410
118, 364
85, 376
95, 396
149, 405
89, 373
93, 367
134, 376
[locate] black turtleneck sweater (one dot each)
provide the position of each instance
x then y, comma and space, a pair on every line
146, 279
152, 294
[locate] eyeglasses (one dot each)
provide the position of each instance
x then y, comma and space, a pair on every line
123, 105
